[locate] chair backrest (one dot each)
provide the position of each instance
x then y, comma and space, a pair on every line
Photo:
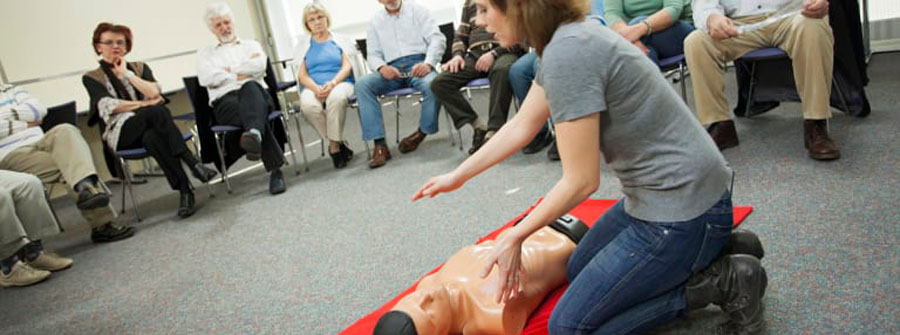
449, 33
56, 115
361, 44
197, 95
272, 82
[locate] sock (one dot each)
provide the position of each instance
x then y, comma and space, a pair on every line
89, 180
256, 133
7, 264
31, 251
381, 142
479, 124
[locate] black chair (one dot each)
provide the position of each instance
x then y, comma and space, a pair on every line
275, 88
59, 114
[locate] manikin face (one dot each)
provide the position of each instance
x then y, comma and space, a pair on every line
391, 5
112, 46
317, 22
495, 22
429, 309
222, 28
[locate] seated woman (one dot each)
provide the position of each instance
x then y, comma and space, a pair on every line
657, 27
126, 99
325, 74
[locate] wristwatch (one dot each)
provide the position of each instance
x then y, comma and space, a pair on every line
129, 74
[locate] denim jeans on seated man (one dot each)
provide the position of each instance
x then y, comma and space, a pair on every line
631, 274
665, 43
370, 86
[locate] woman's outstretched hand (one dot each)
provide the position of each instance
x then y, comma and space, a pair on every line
444, 183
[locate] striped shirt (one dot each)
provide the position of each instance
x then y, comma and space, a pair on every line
476, 40
17, 108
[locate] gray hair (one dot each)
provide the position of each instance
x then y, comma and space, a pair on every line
216, 10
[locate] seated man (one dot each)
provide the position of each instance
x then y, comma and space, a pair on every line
25, 218
233, 72
60, 155
404, 46
806, 38
458, 299
476, 54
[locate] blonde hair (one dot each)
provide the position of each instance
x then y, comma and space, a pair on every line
537, 20
314, 7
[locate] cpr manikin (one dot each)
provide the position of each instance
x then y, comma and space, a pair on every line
457, 300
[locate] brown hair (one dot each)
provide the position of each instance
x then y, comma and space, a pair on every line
113, 28
537, 20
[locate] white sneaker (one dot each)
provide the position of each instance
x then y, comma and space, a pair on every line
22, 275
50, 262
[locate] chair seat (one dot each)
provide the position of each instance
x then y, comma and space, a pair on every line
764, 53
274, 115
479, 82
283, 85
402, 91
224, 128
670, 62
185, 117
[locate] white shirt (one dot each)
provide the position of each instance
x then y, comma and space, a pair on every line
409, 32
238, 57
17, 108
733, 9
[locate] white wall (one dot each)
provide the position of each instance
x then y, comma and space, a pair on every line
53, 37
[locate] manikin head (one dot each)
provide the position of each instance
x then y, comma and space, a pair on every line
425, 311
219, 19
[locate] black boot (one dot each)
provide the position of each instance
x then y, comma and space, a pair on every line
348, 154
745, 242
736, 283
338, 159
110, 232
186, 207
203, 173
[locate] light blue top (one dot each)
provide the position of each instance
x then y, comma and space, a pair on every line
323, 61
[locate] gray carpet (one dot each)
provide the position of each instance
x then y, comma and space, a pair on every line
338, 244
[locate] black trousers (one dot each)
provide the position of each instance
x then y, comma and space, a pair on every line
249, 108
152, 128
446, 88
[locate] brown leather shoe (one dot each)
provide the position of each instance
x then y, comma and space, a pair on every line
816, 140
380, 156
724, 134
411, 142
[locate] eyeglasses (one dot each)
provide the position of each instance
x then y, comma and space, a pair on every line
120, 43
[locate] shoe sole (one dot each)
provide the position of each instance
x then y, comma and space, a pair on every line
7, 285
251, 146
52, 270
824, 157
94, 202
128, 234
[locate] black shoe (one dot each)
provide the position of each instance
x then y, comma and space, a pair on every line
553, 153
736, 283
723, 134
477, 140
252, 145
91, 195
276, 182
186, 208
538, 143
338, 159
348, 154
203, 173
111, 233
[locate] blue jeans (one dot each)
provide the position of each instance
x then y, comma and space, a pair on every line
628, 275
667, 42
370, 86
521, 73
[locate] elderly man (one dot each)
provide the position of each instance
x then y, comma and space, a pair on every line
806, 38
60, 155
476, 54
25, 218
232, 71
405, 46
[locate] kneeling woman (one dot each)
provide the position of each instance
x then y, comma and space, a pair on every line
127, 99
644, 261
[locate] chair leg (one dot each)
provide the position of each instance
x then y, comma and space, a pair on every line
127, 183
365, 143
397, 107
750, 89
197, 151
220, 144
683, 85
302, 148
287, 128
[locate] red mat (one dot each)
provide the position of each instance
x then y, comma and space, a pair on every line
588, 211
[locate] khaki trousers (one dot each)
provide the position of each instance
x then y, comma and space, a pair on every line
327, 117
25, 214
61, 155
809, 42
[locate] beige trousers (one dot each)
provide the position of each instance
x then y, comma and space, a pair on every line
24, 212
809, 43
61, 156
328, 116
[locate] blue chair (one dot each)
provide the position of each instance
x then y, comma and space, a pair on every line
676, 63
140, 154
770, 53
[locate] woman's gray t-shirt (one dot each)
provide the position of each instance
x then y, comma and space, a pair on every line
669, 167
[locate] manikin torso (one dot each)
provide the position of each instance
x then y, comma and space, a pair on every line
472, 307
